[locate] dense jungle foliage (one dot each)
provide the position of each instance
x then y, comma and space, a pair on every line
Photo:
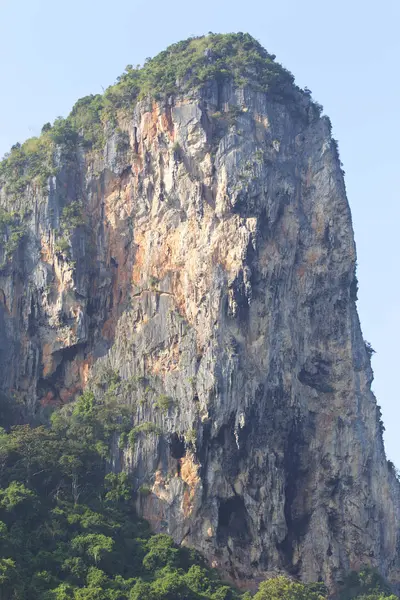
68, 527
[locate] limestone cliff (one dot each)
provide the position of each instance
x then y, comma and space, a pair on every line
197, 258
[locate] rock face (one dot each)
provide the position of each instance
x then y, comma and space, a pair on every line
212, 280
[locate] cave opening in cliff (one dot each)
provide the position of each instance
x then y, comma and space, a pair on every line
177, 446
233, 521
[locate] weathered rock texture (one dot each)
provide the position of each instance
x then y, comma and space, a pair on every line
215, 276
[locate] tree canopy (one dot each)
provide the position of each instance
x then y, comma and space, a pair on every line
68, 528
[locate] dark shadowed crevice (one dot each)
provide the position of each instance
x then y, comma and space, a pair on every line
297, 518
233, 521
316, 373
177, 446
32, 318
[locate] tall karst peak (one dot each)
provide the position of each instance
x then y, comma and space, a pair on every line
183, 245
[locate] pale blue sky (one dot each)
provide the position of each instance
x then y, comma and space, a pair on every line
347, 52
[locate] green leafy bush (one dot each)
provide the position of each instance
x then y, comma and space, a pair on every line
365, 584
71, 218
144, 490
164, 402
146, 428
283, 588
12, 231
62, 245
27, 163
86, 119
191, 437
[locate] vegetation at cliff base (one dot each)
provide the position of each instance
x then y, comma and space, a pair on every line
68, 528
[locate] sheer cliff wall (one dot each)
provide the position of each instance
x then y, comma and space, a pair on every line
212, 280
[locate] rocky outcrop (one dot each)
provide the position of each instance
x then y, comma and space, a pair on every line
210, 279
